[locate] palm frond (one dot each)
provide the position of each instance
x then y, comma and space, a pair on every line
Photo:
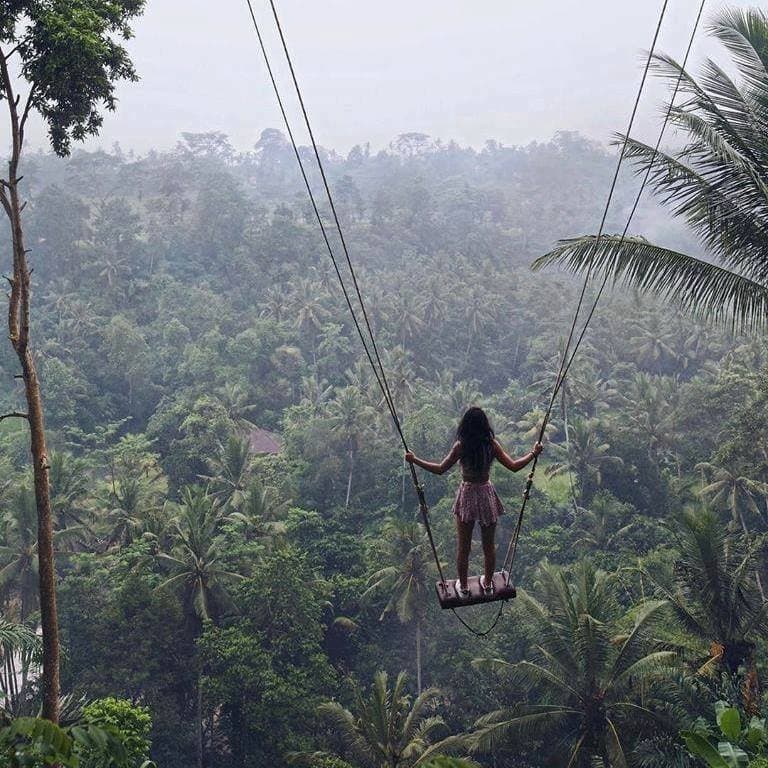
743, 33
615, 750
706, 290
500, 726
646, 666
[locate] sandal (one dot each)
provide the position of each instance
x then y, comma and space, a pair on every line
461, 592
488, 589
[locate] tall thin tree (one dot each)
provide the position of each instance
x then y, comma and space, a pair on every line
64, 58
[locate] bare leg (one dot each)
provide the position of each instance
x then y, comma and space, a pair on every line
463, 547
488, 533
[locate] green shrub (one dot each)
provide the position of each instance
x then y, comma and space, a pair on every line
130, 724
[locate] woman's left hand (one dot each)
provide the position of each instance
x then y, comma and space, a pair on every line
537, 449
410, 457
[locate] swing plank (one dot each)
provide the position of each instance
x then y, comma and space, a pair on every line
448, 598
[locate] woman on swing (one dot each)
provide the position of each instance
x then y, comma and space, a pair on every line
475, 449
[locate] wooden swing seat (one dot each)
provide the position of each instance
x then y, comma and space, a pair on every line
448, 597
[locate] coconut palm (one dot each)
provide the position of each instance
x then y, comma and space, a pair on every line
70, 486
308, 311
258, 515
729, 489
388, 729
349, 417
131, 504
135, 489
234, 396
194, 562
598, 527
457, 396
717, 182
406, 579
405, 311
400, 375
18, 647
589, 658
315, 392
195, 555
230, 472
586, 455
19, 551
653, 343
276, 304
714, 595
529, 425
651, 411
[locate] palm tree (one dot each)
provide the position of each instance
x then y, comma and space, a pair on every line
479, 314
70, 486
731, 490
135, 490
586, 455
386, 730
597, 527
308, 311
400, 374
585, 672
257, 515
349, 417
455, 396
315, 393
194, 562
407, 579
717, 182
19, 550
19, 645
18, 553
405, 312
276, 304
195, 555
131, 504
713, 596
230, 472
651, 411
234, 396
529, 425
654, 341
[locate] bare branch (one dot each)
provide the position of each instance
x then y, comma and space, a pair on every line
13, 50
27, 108
13, 102
14, 415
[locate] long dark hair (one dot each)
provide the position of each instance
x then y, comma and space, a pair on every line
476, 437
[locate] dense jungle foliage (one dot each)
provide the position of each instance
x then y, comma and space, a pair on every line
261, 605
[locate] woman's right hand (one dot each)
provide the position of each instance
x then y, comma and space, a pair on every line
410, 457
537, 449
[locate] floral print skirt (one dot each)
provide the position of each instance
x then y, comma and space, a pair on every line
478, 502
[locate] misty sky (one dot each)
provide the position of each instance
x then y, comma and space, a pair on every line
470, 70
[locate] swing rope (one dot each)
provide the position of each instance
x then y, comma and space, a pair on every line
369, 341
567, 359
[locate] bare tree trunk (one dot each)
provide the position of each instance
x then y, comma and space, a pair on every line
18, 332
199, 723
418, 656
349, 477
567, 432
